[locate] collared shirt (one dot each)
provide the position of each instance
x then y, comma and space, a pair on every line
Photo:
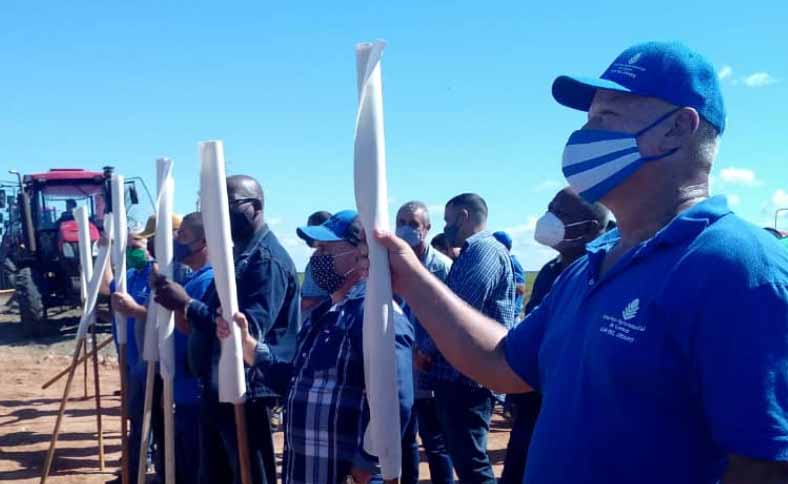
674, 358
327, 412
269, 296
519, 280
137, 288
482, 277
186, 386
439, 267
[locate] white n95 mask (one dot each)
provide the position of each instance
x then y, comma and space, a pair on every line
551, 231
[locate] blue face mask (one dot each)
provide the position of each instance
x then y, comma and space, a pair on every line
180, 251
596, 161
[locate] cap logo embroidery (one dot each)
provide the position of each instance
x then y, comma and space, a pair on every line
635, 58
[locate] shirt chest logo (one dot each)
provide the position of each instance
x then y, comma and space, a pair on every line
624, 328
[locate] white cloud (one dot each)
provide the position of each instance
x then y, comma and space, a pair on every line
738, 176
733, 200
780, 199
759, 79
725, 73
274, 221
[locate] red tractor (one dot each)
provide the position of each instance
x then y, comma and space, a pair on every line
39, 247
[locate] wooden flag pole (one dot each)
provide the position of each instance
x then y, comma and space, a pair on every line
150, 375
120, 236
243, 443
124, 416
97, 390
60, 412
165, 318
85, 368
215, 212
82, 358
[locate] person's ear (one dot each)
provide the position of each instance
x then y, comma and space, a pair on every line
683, 126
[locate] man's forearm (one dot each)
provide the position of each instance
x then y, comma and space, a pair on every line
470, 341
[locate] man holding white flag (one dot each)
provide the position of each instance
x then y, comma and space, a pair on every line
327, 410
268, 297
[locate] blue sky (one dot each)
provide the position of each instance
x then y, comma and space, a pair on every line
466, 94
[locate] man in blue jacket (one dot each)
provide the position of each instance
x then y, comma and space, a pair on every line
268, 296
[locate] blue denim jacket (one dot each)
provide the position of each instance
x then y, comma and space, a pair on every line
268, 294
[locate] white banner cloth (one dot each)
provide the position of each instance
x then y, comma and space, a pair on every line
216, 220
163, 243
382, 437
94, 284
120, 237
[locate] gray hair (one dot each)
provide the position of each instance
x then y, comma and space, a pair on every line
414, 206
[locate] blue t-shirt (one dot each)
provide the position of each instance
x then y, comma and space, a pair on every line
186, 387
672, 360
137, 288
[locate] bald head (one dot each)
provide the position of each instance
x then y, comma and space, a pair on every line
243, 187
246, 201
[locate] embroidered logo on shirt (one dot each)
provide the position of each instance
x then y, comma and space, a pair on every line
631, 310
624, 328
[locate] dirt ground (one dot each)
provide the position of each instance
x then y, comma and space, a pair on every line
28, 413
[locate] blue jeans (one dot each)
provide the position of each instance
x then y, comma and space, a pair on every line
424, 421
187, 443
525, 410
465, 414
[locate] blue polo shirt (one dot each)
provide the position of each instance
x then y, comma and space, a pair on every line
186, 386
675, 358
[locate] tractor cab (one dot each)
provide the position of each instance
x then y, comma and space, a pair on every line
40, 243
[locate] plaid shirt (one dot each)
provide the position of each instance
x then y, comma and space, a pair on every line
326, 413
482, 276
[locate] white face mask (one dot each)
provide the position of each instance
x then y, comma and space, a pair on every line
551, 231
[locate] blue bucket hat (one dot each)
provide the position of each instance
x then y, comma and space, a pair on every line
344, 225
669, 71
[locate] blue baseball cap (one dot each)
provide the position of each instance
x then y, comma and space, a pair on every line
669, 71
344, 225
504, 238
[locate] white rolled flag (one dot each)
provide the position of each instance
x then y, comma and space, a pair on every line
94, 284
382, 437
85, 254
216, 220
120, 236
163, 244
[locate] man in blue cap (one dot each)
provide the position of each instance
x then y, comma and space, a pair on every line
651, 369
326, 410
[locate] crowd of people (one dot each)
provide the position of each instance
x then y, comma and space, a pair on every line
652, 349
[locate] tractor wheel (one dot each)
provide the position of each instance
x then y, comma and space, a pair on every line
31, 309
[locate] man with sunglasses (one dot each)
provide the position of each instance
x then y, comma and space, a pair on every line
268, 296
662, 354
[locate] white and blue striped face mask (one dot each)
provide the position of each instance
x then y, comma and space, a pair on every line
596, 161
